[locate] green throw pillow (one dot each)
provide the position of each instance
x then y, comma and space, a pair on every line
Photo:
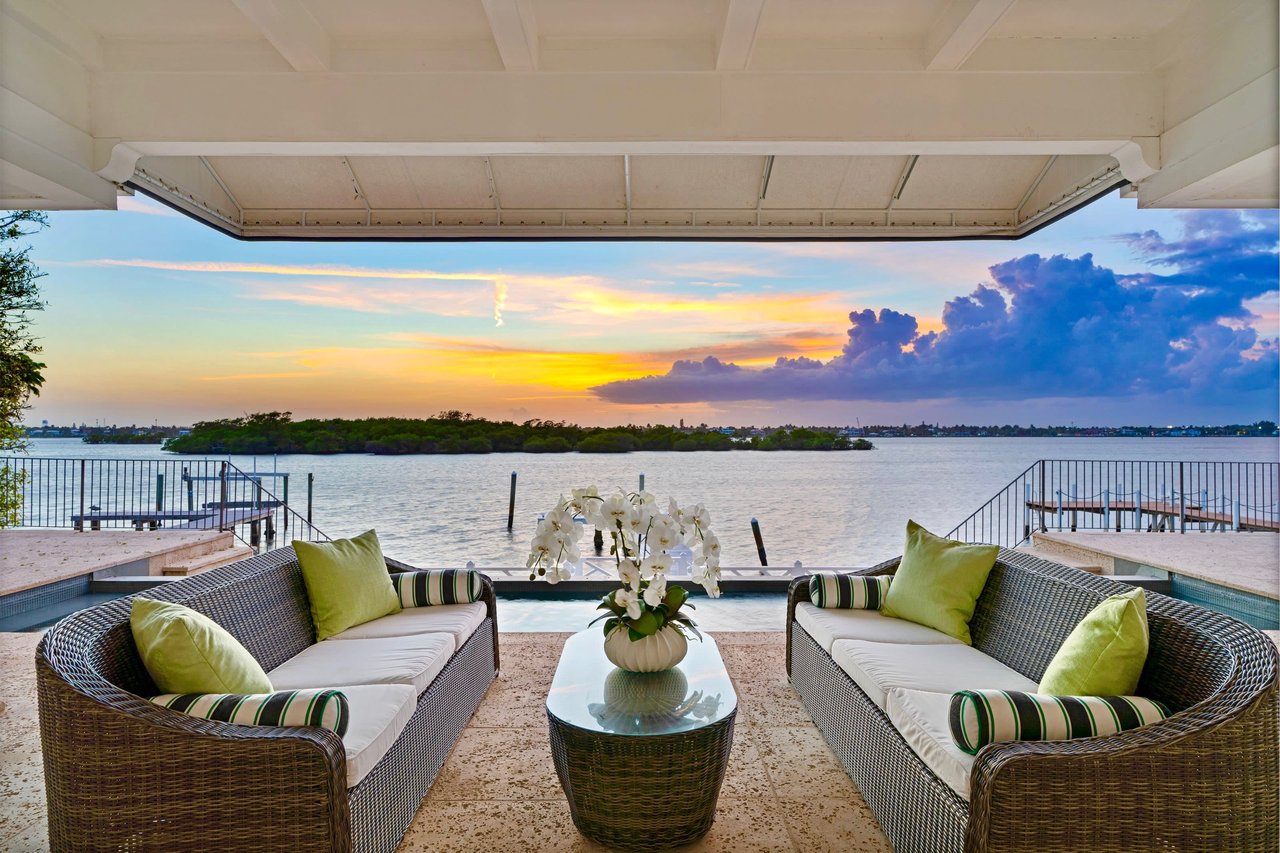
938, 582
187, 652
1105, 653
347, 582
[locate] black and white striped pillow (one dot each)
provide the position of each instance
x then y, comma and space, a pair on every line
850, 592
437, 586
312, 707
980, 717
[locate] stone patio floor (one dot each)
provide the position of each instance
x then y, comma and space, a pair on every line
498, 792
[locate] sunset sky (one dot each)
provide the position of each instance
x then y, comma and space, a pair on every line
1149, 317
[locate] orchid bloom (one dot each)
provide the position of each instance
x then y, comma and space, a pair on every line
630, 601
656, 591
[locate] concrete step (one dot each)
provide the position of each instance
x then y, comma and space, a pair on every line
1076, 562
213, 544
204, 562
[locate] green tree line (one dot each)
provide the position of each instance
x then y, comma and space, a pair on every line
457, 432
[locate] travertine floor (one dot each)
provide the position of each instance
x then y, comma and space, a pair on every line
498, 792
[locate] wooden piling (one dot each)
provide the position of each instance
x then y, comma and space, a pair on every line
755, 531
191, 490
311, 481
642, 481
159, 492
80, 524
284, 498
511, 504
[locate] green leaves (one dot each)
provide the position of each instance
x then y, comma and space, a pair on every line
676, 597
648, 624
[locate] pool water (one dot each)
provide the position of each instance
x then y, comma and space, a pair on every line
750, 611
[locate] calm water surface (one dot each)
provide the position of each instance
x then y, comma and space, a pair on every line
825, 509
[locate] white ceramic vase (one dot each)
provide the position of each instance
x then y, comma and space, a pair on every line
653, 653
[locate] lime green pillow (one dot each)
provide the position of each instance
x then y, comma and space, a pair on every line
938, 582
187, 652
1105, 653
347, 582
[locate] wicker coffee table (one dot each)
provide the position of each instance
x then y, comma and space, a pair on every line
641, 756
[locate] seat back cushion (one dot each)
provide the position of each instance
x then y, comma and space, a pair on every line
1105, 653
938, 582
347, 582
187, 652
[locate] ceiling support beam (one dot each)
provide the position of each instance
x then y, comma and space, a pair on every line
67, 35
692, 112
514, 32
292, 30
959, 30
738, 36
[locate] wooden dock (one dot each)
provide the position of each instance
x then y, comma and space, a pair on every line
1164, 514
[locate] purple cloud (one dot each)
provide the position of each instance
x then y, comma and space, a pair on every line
1044, 327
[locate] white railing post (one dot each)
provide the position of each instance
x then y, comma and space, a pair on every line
1137, 509
1235, 515
1026, 509
1204, 507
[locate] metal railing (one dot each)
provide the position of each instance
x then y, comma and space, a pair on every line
187, 494
1153, 497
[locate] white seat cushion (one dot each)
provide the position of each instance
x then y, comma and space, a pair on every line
922, 720
826, 625
379, 713
414, 660
460, 620
942, 668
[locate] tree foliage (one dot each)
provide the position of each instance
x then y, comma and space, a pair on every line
20, 373
457, 432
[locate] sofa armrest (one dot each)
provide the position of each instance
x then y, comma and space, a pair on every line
1205, 778
798, 592
128, 773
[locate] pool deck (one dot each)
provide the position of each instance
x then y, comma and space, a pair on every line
32, 558
1247, 562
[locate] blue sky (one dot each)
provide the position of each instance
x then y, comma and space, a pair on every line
1148, 316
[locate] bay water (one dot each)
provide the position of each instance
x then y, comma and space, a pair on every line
822, 508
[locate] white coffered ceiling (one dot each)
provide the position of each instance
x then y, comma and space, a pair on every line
676, 119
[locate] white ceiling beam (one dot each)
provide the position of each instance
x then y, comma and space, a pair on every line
738, 35
515, 33
63, 32
959, 30
292, 30
686, 112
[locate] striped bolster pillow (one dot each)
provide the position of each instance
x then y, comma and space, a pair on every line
980, 717
851, 592
437, 586
313, 707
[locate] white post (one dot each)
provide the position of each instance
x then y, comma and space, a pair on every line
1026, 507
1204, 506
1235, 515
1137, 509
1106, 509
1059, 494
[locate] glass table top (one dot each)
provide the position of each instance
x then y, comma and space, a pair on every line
590, 693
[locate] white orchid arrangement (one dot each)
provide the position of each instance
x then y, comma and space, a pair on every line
642, 538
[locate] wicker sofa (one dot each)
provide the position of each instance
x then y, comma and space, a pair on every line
1206, 778
122, 773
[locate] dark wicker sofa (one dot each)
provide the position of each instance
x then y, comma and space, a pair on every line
124, 774
1207, 778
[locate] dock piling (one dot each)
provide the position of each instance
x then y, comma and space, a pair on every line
311, 482
642, 481
284, 498
80, 524
755, 531
191, 489
159, 492
511, 504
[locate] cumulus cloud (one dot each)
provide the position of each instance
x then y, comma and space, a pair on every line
1044, 327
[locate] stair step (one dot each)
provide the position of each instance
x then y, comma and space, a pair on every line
204, 562
1071, 560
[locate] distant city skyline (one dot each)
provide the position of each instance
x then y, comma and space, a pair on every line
1111, 316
